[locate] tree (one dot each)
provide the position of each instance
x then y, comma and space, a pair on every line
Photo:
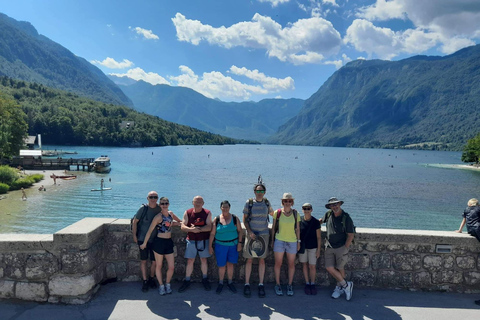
471, 151
13, 127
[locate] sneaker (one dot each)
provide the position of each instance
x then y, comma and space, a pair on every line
349, 290
185, 285
289, 290
313, 289
168, 289
246, 291
145, 286
232, 288
219, 288
206, 284
161, 290
261, 291
337, 292
278, 290
152, 283
307, 289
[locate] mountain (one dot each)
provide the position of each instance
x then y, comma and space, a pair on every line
26, 55
426, 102
244, 120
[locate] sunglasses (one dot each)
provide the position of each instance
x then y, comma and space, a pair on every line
306, 208
164, 203
287, 201
152, 197
259, 191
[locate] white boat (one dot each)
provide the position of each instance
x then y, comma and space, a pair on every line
102, 164
103, 189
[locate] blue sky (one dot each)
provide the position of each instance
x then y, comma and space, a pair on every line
237, 50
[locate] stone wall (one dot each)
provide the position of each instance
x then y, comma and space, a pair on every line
69, 265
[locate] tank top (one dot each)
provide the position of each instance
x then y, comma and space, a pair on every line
165, 226
197, 219
226, 233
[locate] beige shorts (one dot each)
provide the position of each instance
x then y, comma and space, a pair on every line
336, 258
309, 256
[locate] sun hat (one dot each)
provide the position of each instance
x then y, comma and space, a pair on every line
287, 196
306, 204
331, 201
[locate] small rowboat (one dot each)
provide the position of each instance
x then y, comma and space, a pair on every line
70, 177
103, 189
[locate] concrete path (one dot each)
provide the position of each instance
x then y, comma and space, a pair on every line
124, 300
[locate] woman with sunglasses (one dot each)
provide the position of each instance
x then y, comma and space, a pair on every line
163, 243
286, 235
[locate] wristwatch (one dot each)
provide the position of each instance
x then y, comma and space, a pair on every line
299, 240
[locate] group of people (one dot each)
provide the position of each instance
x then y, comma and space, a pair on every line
291, 234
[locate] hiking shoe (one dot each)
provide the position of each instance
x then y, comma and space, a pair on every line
349, 290
219, 288
152, 284
168, 289
261, 291
289, 290
278, 290
145, 286
161, 290
206, 284
313, 289
307, 289
337, 292
246, 291
185, 285
232, 288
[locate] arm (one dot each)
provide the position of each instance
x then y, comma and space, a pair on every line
184, 224
208, 225
212, 237
319, 242
176, 220
240, 235
349, 239
272, 237
297, 231
247, 227
134, 229
461, 225
155, 221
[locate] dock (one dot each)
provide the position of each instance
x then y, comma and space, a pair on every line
86, 164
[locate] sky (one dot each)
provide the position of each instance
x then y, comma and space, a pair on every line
236, 50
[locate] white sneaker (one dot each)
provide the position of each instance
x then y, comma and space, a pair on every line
337, 292
348, 290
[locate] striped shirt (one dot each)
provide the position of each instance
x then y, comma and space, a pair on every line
259, 218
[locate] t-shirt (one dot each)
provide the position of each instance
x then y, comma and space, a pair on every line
472, 216
337, 237
259, 217
308, 232
286, 227
144, 224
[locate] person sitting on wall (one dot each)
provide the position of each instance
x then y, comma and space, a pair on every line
471, 217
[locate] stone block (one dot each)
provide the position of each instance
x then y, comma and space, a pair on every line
15, 265
432, 262
472, 278
466, 262
113, 252
357, 247
41, 266
394, 247
423, 279
427, 248
82, 261
133, 252
7, 289
110, 270
393, 279
64, 285
358, 261
21, 242
375, 247
381, 261
31, 291
447, 277
82, 234
409, 247
134, 267
406, 262
120, 268
363, 278
448, 262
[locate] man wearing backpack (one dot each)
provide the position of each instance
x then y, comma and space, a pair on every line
340, 233
255, 219
141, 222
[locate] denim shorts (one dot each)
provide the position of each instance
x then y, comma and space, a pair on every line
225, 254
282, 246
194, 247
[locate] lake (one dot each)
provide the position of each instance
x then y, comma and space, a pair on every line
381, 188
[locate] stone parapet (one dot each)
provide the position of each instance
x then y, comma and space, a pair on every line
68, 266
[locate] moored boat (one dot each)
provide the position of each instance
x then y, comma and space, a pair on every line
102, 164
69, 177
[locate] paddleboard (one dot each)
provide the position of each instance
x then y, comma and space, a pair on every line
101, 189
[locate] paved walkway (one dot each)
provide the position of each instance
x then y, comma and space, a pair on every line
124, 300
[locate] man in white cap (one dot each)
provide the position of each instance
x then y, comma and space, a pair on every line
340, 233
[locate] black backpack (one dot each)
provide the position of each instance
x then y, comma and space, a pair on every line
144, 212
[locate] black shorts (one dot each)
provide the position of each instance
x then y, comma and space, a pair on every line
163, 246
146, 253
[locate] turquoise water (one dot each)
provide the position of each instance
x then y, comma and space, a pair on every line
411, 195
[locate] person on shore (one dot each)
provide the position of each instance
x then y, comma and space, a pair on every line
256, 214
310, 235
197, 222
286, 238
42, 188
24, 195
163, 244
471, 217
227, 234
340, 233
101, 184
54, 177
141, 223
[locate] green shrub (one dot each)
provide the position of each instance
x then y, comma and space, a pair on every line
22, 183
36, 177
8, 174
4, 188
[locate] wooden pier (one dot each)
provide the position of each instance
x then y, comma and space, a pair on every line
54, 164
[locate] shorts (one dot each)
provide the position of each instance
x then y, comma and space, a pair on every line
309, 256
225, 254
198, 246
475, 232
283, 246
336, 258
147, 252
162, 246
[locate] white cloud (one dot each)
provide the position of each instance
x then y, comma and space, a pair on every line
140, 74
270, 83
382, 10
112, 64
274, 3
147, 34
330, 2
304, 41
339, 63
